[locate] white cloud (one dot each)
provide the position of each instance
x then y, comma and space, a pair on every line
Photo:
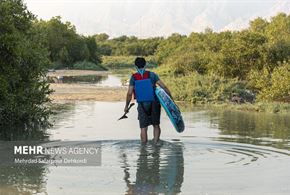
156, 17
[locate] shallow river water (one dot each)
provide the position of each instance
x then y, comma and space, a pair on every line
219, 153
109, 80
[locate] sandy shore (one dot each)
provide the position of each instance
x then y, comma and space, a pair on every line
87, 92
63, 91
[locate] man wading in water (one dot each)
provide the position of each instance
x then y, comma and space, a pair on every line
142, 85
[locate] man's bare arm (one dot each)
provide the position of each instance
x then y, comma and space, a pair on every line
128, 98
163, 86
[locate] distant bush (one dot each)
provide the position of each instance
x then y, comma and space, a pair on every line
65, 46
56, 65
85, 65
120, 62
198, 88
274, 86
126, 45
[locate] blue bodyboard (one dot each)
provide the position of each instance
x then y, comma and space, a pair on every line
171, 109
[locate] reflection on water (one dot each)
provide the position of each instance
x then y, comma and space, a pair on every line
111, 81
220, 152
170, 167
255, 128
15, 133
23, 180
247, 127
77, 79
159, 168
99, 80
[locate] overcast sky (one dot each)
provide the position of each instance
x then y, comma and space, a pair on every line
145, 18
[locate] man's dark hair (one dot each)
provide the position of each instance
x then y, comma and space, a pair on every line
140, 62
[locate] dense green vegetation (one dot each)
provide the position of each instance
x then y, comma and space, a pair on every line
126, 46
252, 64
125, 62
85, 65
23, 91
67, 49
211, 66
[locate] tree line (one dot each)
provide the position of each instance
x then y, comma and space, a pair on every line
23, 65
231, 54
64, 45
257, 57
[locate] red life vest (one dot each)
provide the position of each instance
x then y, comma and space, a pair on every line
137, 76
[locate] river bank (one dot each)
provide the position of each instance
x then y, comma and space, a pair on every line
84, 85
86, 92
260, 107
109, 87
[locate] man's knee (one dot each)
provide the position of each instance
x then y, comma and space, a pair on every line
144, 129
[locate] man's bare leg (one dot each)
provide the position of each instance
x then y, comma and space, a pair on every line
156, 133
143, 135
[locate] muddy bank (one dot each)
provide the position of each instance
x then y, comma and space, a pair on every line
112, 90
87, 92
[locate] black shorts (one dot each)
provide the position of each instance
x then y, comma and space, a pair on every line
149, 114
